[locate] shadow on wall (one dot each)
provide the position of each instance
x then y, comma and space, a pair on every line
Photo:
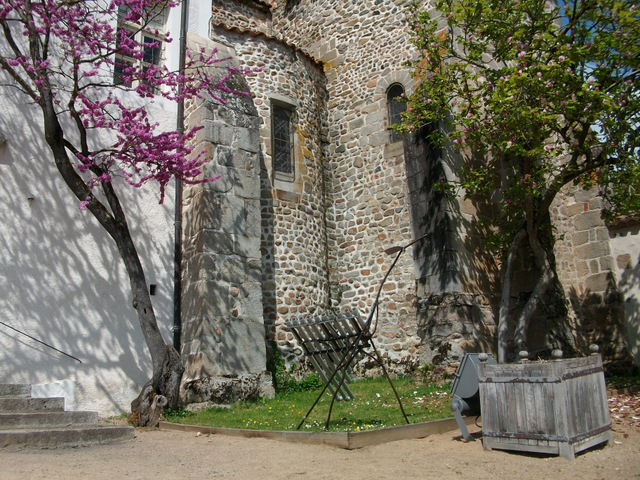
629, 284
455, 272
62, 279
459, 282
602, 321
269, 262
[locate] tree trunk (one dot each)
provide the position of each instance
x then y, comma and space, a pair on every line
163, 390
546, 276
164, 387
503, 315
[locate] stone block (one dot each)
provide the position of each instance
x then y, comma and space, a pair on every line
217, 300
223, 155
246, 185
218, 242
571, 210
223, 176
218, 133
599, 282
249, 301
592, 250
588, 220
246, 246
226, 268
254, 270
624, 261
580, 238
582, 268
248, 140
253, 219
235, 117
242, 347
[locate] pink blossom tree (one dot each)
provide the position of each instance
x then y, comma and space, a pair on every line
534, 95
91, 78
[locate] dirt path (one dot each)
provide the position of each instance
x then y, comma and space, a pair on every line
158, 454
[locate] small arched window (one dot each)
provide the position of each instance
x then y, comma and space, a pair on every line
397, 106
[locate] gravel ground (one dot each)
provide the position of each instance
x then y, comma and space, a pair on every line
164, 454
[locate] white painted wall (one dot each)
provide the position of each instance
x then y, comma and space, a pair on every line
61, 279
625, 248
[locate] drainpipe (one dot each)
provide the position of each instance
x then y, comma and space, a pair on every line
177, 257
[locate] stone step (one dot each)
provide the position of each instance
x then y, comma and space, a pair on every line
26, 404
27, 422
42, 420
15, 390
64, 437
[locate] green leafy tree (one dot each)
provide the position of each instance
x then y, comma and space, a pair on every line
535, 96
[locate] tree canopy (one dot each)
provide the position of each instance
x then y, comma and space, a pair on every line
63, 54
534, 96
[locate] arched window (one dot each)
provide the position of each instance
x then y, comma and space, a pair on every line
396, 106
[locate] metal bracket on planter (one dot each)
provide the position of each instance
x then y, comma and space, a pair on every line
457, 406
465, 390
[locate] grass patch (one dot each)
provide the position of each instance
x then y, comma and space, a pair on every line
374, 406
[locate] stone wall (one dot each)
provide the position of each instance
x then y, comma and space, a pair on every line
356, 192
223, 344
293, 233
362, 46
624, 238
586, 270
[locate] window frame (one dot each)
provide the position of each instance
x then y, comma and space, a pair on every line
142, 35
289, 110
395, 114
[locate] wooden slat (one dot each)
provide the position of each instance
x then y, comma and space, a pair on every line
329, 341
521, 411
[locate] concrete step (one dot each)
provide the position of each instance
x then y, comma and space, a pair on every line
64, 437
42, 420
27, 422
15, 390
26, 404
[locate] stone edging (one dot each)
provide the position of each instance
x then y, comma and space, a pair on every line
346, 440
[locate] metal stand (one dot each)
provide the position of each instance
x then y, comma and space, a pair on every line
334, 342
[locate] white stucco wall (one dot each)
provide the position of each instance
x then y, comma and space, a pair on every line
625, 248
61, 279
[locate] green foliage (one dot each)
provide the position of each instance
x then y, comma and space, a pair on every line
176, 413
374, 406
284, 381
534, 98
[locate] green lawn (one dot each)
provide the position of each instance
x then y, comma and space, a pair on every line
374, 406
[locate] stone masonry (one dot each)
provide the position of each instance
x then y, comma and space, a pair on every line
223, 327
260, 249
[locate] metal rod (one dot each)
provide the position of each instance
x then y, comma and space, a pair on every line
40, 341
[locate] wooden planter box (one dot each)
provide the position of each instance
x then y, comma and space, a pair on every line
557, 407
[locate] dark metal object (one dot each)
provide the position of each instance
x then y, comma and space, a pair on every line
465, 390
41, 342
333, 343
336, 346
326, 341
